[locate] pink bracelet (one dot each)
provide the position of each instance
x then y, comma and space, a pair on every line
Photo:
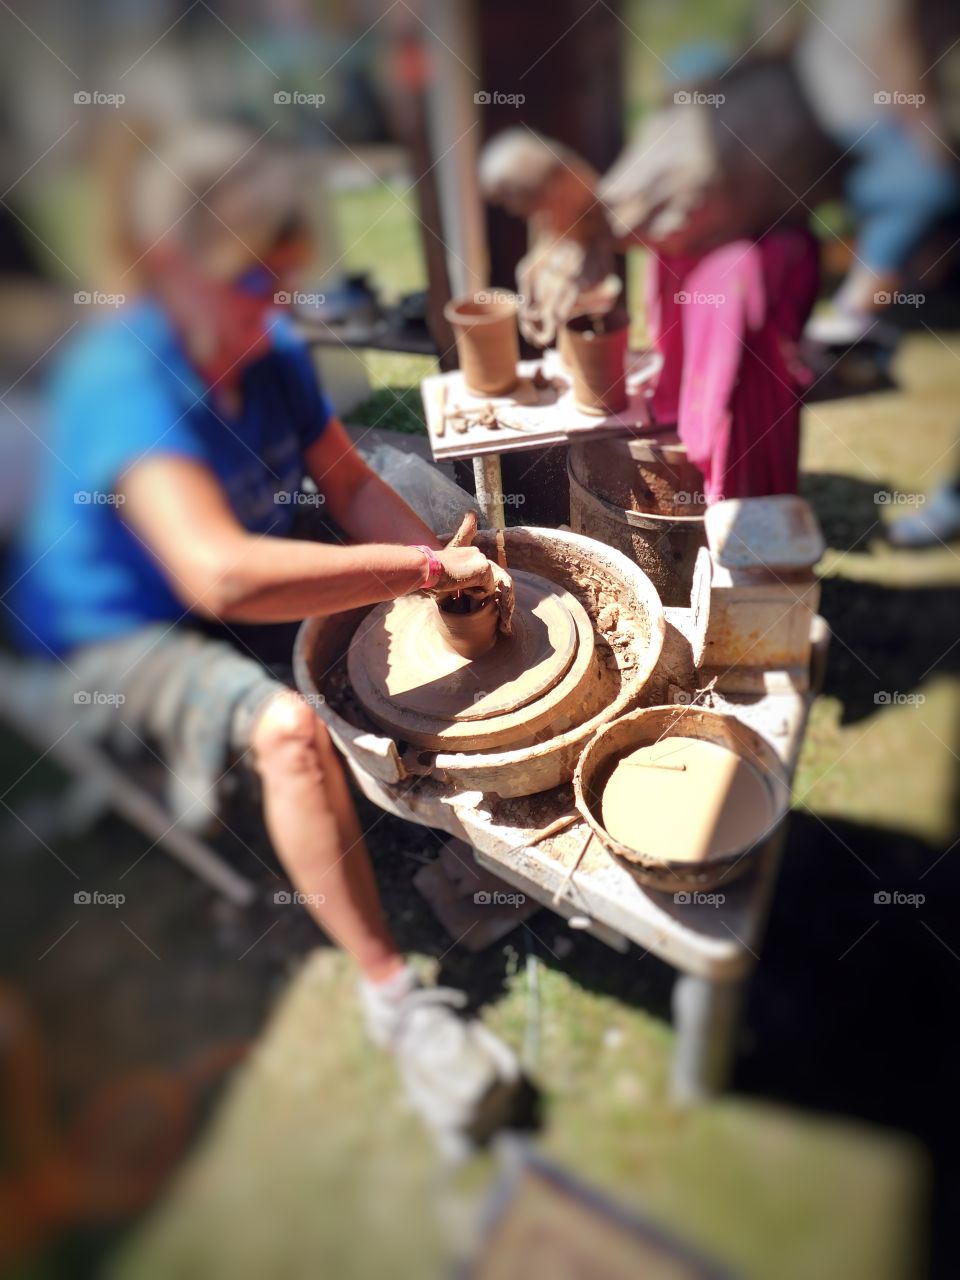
433, 568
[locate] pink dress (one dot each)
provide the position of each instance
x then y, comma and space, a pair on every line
727, 324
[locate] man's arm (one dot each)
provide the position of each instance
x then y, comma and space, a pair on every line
177, 508
362, 504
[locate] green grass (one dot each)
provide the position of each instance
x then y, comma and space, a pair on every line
314, 1129
378, 231
894, 767
396, 403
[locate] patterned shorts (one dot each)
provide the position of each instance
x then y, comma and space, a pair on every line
173, 694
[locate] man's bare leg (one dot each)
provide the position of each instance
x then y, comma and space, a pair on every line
459, 1076
314, 828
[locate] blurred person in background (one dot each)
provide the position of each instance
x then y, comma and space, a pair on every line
937, 521
731, 270
874, 73
183, 426
569, 267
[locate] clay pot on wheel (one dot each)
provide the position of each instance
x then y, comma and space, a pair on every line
468, 625
487, 342
595, 349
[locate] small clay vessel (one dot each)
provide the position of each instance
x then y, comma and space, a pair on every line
595, 350
487, 343
472, 630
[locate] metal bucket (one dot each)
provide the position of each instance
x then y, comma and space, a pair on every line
652, 475
645, 727
664, 546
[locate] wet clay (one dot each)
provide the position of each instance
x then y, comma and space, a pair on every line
487, 343
715, 804
468, 625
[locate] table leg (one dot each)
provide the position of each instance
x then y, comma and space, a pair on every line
489, 482
705, 1017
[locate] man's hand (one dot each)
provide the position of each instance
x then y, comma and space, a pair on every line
466, 568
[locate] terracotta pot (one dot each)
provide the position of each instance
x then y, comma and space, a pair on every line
472, 633
597, 361
563, 340
487, 342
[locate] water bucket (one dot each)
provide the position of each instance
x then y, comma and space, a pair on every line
649, 726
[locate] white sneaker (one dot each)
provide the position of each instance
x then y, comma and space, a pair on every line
932, 525
459, 1077
833, 327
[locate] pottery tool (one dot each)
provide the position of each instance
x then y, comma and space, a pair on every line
565, 882
501, 550
438, 401
551, 829
656, 764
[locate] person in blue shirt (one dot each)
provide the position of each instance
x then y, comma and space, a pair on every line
183, 426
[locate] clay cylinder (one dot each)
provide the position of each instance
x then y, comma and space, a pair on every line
597, 361
473, 633
564, 340
487, 342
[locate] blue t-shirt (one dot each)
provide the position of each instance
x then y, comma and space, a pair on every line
126, 392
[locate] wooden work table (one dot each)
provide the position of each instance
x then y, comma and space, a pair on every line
712, 944
461, 424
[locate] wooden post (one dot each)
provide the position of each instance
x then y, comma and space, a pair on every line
566, 61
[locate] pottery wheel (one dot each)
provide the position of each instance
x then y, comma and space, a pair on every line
423, 674
411, 681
